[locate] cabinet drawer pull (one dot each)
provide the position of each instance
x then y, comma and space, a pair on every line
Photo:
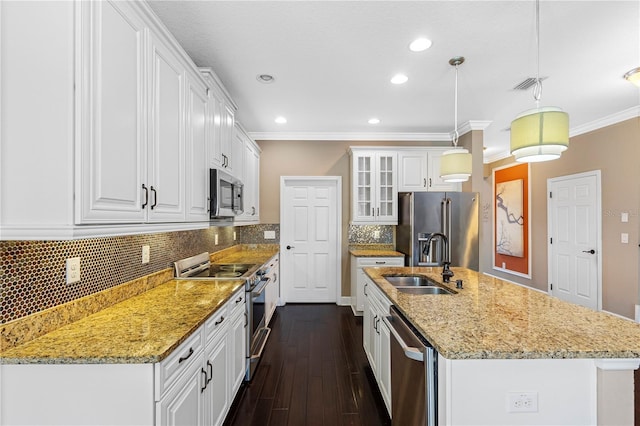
155, 197
219, 321
184, 358
239, 300
204, 381
210, 368
380, 263
146, 195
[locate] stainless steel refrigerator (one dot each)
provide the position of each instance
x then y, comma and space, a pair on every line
454, 214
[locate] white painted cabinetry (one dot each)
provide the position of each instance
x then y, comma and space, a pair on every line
194, 385
272, 292
124, 124
376, 339
419, 170
358, 277
250, 156
374, 189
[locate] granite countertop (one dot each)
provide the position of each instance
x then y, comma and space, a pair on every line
493, 319
143, 329
258, 254
375, 253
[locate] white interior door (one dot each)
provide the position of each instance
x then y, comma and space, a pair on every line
574, 223
310, 214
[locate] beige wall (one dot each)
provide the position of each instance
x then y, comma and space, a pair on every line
615, 151
311, 158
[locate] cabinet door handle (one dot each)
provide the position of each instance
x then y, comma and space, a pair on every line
425, 183
210, 368
430, 183
375, 323
246, 320
373, 212
205, 380
378, 325
219, 321
184, 358
365, 290
253, 211
378, 211
155, 197
146, 195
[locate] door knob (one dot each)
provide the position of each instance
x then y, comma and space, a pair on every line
290, 247
592, 251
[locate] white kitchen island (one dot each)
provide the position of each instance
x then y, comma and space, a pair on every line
509, 355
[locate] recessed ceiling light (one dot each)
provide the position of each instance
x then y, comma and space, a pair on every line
420, 44
280, 120
265, 78
399, 79
374, 121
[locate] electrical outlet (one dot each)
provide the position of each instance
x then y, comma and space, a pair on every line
504, 265
522, 402
145, 254
234, 235
269, 235
376, 235
624, 238
215, 239
624, 217
73, 270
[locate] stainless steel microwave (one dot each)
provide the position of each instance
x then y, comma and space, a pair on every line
225, 195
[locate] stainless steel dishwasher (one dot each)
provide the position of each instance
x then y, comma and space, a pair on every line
413, 374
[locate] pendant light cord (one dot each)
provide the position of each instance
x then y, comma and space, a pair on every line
455, 112
537, 89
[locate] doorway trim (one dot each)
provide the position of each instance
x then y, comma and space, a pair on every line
336, 181
598, 175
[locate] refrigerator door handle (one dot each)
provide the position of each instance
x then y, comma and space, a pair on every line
448, 229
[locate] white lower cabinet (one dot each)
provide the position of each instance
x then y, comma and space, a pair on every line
358, 278
272, 292
376, 339
194, 385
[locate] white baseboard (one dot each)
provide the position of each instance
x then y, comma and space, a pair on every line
344, 301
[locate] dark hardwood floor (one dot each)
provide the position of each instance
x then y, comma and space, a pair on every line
313, 372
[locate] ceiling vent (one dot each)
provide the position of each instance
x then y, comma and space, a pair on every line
527, 83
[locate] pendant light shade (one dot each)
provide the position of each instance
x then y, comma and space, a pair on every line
540, 134
455, 164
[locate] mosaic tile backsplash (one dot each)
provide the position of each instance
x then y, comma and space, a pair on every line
32, 273
365, 234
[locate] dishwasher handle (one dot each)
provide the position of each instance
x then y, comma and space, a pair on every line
409, 351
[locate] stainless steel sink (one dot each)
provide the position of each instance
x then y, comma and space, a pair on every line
417, 284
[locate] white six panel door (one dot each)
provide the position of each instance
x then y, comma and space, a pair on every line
574, 232
310, 230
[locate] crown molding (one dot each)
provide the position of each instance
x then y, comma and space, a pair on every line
473, 125
349, 136
609, 120
500, 155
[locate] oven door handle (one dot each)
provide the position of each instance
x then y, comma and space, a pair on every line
409, 351
259, 288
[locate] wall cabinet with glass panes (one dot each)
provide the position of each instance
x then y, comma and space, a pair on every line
374, 186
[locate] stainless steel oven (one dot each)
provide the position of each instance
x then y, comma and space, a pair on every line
413, 374
199, 267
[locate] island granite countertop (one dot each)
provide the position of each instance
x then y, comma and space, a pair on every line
493, 319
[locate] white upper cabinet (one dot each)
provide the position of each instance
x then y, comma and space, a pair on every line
221, 124
374, 189
250, 156
127, 125
419, 170
112, 120
197, 187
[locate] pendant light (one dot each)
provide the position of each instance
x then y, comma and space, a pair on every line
455, 164
542, 133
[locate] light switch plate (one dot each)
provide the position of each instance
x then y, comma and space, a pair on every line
624, 217
624, 238
215, 239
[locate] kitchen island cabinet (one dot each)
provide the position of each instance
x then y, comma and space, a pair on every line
167, 356
496, 341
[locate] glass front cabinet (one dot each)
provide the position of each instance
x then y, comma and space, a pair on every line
374, 187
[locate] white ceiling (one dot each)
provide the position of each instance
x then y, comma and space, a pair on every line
333, 60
